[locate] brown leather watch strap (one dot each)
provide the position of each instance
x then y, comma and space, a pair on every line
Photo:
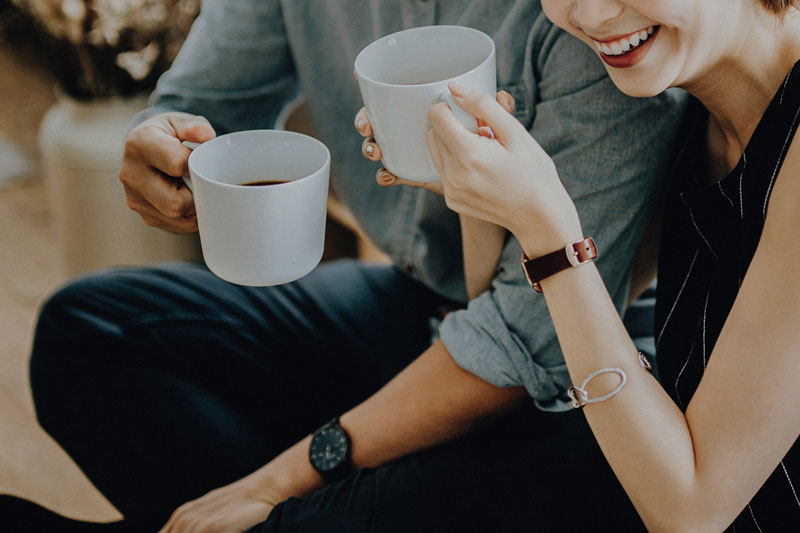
545, 266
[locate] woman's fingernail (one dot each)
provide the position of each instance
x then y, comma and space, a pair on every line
360, 124
458, 90
384, 174
370, 149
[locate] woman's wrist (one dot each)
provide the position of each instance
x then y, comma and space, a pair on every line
542, 231
537, 241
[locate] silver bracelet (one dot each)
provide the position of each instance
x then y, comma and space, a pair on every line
580, 396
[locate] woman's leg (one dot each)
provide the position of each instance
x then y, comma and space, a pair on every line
165, 383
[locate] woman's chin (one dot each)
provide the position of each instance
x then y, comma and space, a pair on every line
638, 87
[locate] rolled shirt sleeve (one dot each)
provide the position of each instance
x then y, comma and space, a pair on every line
235, 68
611, 152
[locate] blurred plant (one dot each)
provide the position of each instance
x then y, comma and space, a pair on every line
98, 48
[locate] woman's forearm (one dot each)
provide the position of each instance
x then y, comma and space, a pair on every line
642, 433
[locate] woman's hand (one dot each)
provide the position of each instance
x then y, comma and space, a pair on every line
506, 179
371, 150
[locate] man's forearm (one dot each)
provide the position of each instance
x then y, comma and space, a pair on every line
432, 401
482, 243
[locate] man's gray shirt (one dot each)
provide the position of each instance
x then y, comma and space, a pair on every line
245, 60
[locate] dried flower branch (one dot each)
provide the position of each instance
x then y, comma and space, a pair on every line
111, 47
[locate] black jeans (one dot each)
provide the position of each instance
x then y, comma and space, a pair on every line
165, 383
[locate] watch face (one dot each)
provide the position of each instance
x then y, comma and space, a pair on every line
328, 448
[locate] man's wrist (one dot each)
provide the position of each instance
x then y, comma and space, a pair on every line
290, 474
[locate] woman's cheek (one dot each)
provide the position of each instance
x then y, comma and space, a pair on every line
557, 11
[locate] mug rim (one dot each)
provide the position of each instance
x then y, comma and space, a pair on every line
267, 132
376, 42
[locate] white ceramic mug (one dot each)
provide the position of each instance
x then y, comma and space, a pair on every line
401, 75
260, 234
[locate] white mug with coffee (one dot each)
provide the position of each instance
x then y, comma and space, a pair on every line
261, 202
401, 75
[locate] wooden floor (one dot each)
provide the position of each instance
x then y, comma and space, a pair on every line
31, 464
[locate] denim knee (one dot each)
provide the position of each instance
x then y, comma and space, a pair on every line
67, 320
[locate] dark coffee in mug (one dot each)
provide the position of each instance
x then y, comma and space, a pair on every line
261, 183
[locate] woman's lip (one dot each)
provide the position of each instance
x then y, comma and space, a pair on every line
633, 57
615, 37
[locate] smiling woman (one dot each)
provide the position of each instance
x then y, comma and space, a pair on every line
715, 447
622, 32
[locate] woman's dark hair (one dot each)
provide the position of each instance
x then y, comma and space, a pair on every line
779, 7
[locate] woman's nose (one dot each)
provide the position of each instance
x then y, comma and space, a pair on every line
594, 14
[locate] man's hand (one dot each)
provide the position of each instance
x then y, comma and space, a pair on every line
247, 502
233, 508
152, 165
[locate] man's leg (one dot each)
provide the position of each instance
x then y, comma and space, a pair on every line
530, 471
165, 383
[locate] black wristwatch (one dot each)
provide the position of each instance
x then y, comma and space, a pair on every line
329, 452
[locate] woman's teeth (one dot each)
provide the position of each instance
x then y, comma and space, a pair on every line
625, 44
